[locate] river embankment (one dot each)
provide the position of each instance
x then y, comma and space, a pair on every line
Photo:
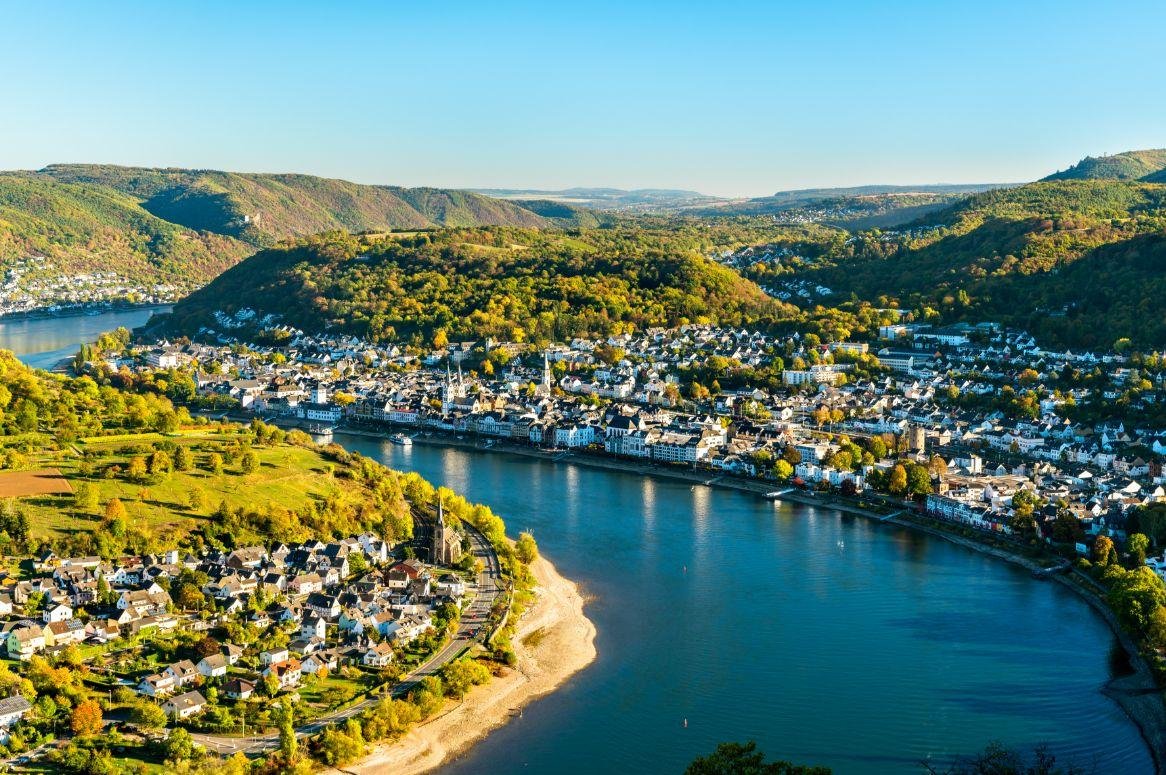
553, 641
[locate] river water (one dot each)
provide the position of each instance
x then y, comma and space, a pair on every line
828, 639
44, 342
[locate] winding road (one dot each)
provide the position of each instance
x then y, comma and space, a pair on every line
471, 629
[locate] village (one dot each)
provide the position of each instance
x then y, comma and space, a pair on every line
212, 641
826, 416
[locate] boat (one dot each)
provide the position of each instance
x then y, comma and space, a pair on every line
402, 439
320, 429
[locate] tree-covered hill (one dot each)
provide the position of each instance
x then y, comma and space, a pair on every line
263, 208
507, 283
1075, 261
81, 228
1131, 165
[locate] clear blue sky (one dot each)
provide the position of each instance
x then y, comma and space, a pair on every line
724, 97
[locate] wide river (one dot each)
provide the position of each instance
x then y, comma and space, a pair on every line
826, 638
44, 342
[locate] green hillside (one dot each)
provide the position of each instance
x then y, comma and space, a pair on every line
263, 208
1131, 165
508, 283
81, 228
1077, 262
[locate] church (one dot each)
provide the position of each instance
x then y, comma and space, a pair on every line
447, 544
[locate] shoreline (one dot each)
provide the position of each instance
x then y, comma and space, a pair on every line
563, 644
1137, 694
82, 310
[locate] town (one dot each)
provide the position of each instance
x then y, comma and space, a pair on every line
206, 644
975, 422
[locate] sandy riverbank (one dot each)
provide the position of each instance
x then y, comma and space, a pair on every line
564, 645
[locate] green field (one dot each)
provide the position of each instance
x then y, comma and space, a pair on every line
287, 476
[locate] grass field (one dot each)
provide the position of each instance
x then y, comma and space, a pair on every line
287, 476
44, 481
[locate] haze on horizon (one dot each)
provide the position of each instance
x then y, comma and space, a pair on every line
744, 99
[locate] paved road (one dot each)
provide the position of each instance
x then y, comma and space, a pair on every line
470, 630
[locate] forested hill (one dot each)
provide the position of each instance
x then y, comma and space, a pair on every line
75, 229
1132, 165
262, 208
1079, 263
180, 228
507, 283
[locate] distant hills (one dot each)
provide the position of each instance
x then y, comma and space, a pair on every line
1079, 262
183, 227
263, 207
642, 199
1132, 165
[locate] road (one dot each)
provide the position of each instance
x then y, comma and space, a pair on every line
471, 629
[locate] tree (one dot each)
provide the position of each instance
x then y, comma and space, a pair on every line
182, 461
146, 714
1136, 595
462, 675
250, 462
137, 469
525, 548
179, 746
86, 719
782, 469
1137, 545
215, 463
85, 497
918, 480
898, 483
115, 510
745, 759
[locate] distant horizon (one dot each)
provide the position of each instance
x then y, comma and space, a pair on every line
481, 189
739, 101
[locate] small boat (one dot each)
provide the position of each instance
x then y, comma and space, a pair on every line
402, 439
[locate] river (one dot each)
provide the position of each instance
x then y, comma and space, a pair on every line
828, 639
44, 342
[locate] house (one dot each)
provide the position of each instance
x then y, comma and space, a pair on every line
69, 631
272, 656
288, 673
12, 710
56, 612
184, 705
157, 685
379, 655
321, 660
212, 666
25, 639
183, 672
232, 652
313, 626
239, 688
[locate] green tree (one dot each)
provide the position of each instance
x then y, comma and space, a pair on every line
249, 464
1138, 545
182, 460
525, 548
146, 714
179, 745
462, 675
745, 759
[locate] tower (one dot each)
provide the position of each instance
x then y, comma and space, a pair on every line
546, 373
